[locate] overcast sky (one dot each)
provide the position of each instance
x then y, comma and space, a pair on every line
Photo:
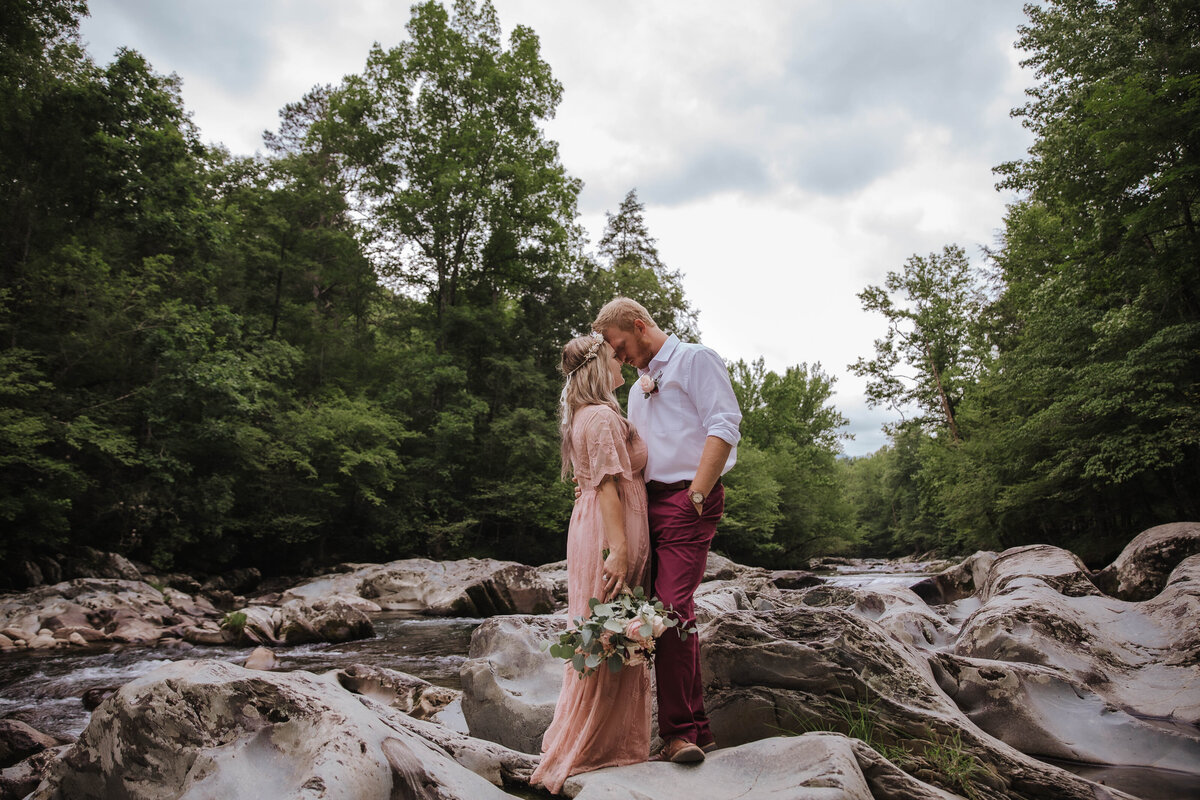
789, 152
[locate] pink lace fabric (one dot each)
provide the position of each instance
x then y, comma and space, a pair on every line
602, 720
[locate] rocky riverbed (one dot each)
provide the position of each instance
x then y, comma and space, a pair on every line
981, 681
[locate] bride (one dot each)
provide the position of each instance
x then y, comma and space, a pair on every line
602, 720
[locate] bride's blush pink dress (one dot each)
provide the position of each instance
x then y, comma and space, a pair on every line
602, 720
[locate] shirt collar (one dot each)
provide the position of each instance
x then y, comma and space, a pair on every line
664, 353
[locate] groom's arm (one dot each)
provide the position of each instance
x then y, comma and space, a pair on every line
712, 461
712, 394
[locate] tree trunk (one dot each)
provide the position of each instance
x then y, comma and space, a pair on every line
942, 395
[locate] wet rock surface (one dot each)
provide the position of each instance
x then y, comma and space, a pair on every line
331, 608
207, 729
1143, 567
510, 684
978, 682
970, 681
471, 587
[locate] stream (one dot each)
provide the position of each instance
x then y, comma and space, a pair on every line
43, 688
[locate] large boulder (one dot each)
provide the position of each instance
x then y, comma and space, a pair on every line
799, 668
510, 682
333, 620
205, 729
470, 587
555, 576
88, 562
816, 766
414, 696
1046, 712
98, 609
956, 582
22, 778
19, 741
1140, 657
899, 611
1141, 570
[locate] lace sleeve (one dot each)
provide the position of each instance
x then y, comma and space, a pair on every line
607, 452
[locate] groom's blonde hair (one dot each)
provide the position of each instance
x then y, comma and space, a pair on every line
620, 313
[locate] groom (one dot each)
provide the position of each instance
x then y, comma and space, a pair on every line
684, 408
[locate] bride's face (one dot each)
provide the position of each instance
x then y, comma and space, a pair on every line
614, 369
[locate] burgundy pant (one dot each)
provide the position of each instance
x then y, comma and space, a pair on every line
680, 541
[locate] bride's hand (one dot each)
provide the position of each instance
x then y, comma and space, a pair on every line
616, 569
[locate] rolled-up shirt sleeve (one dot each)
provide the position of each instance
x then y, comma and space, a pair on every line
712, 394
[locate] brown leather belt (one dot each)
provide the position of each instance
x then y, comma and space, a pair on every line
657, 487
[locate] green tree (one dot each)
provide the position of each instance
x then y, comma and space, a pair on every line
932, 350
785, 499
634, 269
1096, 383
460, 184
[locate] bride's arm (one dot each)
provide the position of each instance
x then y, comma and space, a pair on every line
612, 514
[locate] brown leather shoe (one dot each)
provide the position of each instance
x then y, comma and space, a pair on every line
679, 751
707, 746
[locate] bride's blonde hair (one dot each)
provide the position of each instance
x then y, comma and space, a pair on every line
587, 383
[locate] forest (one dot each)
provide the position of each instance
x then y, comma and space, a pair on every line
346, 348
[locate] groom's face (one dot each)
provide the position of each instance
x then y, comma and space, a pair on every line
632, 346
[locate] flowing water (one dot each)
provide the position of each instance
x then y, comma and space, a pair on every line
43, 688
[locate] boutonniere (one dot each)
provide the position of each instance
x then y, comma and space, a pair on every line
649, 385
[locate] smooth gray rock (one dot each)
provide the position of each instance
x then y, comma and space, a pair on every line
416, 697
1045, 712
816, 766
470, 587
780, 766
1143, 658
510, 684
18, 741
798, 668
956, 582
118, 610
1141, 570
22, 778
203, 730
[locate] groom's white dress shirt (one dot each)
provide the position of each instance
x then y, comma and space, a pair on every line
694, 401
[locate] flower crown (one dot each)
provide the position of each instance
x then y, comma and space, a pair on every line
591, 352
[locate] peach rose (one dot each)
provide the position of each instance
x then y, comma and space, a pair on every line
633, 630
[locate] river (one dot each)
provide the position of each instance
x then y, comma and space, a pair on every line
43, 687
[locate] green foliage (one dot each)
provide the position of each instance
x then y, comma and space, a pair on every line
343, 350
931, 351
633, 269
444, 133
1081, 426
784, 500
235, 622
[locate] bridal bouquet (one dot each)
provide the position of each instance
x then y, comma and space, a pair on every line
618, 633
